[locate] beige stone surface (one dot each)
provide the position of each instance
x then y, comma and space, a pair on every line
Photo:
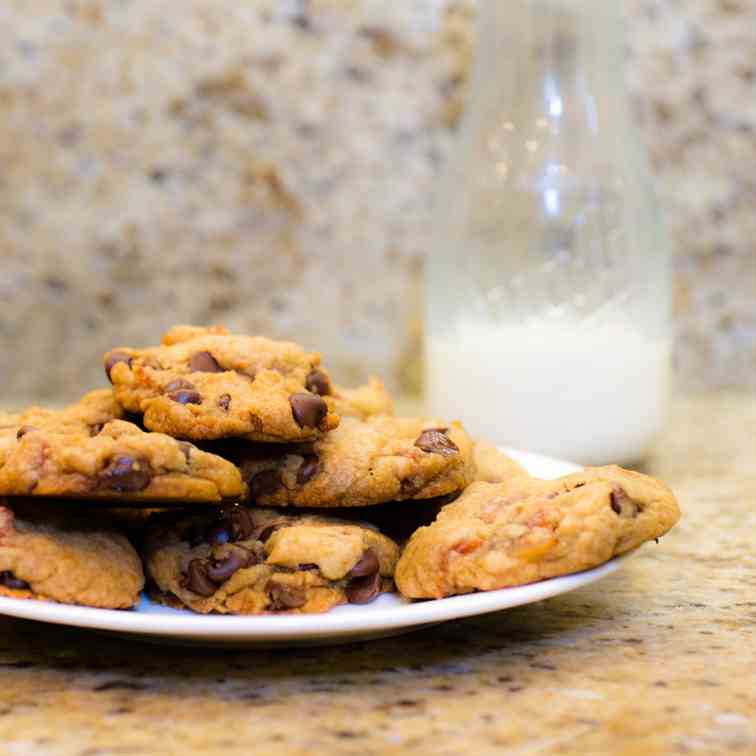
269, 165
658, 658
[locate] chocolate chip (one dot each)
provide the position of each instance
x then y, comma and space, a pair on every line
9, 580
95, 429
178, 383
266, 533
126, 474
309, 468
622, 504
204, 362
435, 441
368, 565
186, 449
242, 523
197, 580
23, 430
113, 359
308, 410
410, 486
308, 567
224, 400
284, 596
222, 532
254, 554
220, 570
317, 382
362, 590
264, 483
186, 396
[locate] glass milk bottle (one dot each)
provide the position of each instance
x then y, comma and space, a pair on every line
547, 286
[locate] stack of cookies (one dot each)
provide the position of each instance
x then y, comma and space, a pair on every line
229, 474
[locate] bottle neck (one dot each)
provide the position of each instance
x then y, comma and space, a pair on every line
550, 26
541, 57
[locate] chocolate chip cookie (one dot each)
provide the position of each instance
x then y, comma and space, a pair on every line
204, 383
362, 462
499, 535
116, 461
59, 556
248, 560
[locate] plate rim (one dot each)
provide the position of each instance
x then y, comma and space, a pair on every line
405, 615
402, 615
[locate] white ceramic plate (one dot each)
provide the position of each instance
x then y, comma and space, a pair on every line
387, 615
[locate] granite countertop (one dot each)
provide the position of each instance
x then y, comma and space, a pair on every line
658, 658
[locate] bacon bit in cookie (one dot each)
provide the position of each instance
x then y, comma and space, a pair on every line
540, 519
467, 546
488, 515
533, 549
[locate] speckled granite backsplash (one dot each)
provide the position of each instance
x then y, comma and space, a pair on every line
267, 165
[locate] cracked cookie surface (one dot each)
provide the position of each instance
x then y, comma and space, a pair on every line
249, 560
116, 460
360, 463
68, 558
205, 383
499, 535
